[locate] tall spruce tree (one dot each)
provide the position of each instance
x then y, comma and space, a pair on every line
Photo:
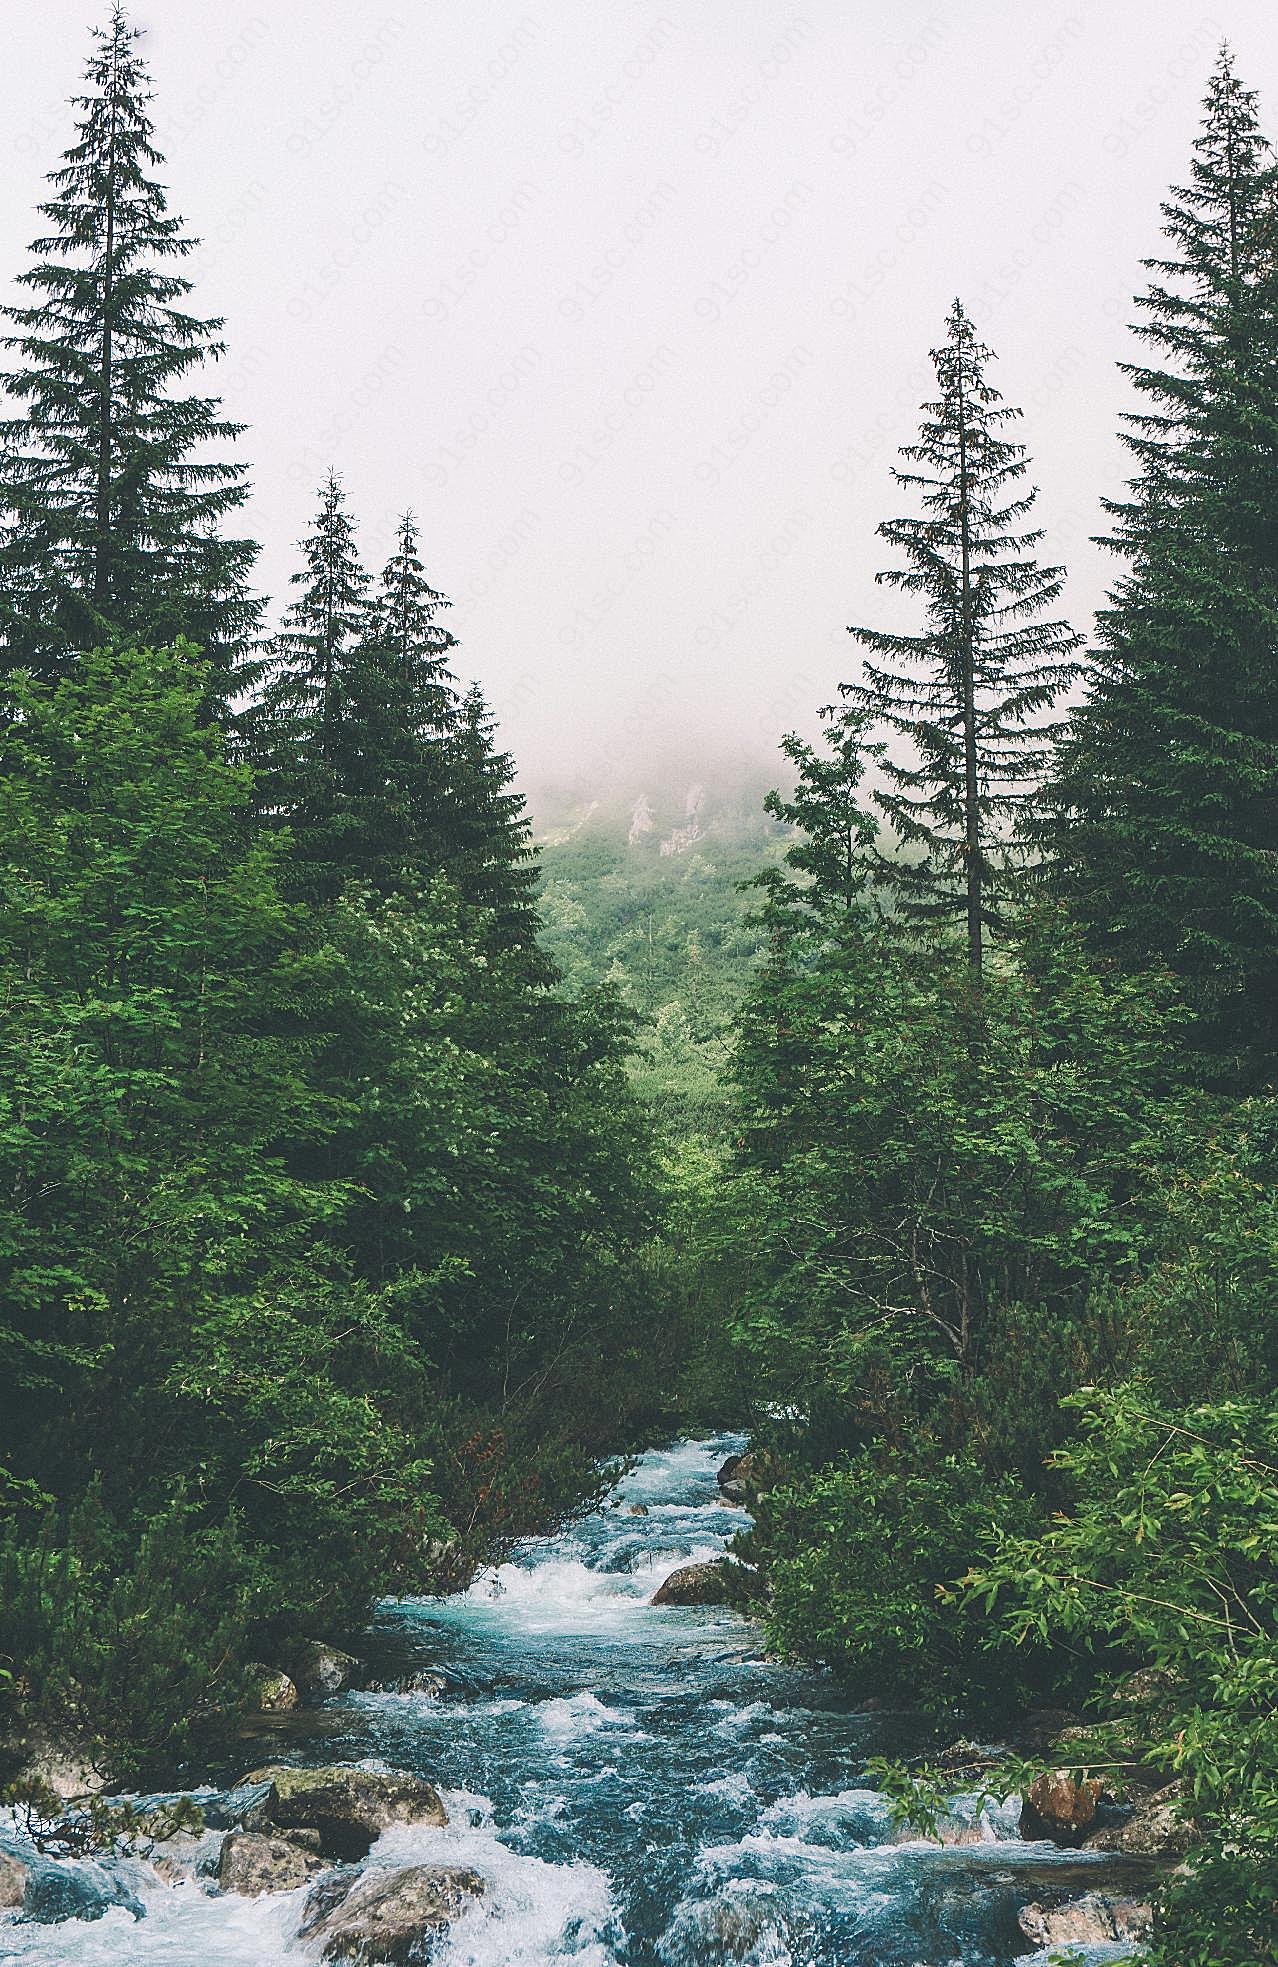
489, 853
968, 693
427, 786
398, 705
326, 621
417, 644
111, 490
296, 729
381, 772
1165, 812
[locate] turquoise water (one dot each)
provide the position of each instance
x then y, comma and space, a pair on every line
638, 1786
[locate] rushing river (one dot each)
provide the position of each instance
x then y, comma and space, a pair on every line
638, 1786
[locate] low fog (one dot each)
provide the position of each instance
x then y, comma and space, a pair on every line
633, 305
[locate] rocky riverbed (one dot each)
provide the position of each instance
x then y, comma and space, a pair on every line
549, 1766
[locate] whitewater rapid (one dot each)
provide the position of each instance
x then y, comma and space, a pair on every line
638, 1787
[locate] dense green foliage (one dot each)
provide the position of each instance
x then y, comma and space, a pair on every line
323, 1205
1166, 835
999, 1246
859, 1553
1165, 1556
296, 1203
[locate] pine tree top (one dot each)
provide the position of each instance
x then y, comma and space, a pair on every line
404, 624
1197, 313
965, 700
108, 474
330, 614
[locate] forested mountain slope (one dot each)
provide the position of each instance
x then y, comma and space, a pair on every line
646, 887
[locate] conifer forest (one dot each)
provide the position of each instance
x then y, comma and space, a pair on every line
659, 1358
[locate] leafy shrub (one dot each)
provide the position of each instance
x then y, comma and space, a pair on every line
858, 1558
1167, 1553
138, 1652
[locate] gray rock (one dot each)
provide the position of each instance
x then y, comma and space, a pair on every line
15, 1876
184, 1857
424, 1681
378, 1916
60, 1767
695, 1584
1093, 1920
251, 1863
725, 1930
75, 1888
269, 1690
348, 1807
240, 1808
319, 1669
738, 1475
950, 1833
1155, 1829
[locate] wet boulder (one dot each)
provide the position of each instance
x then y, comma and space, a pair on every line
182, 1858
319, 1669
268, 1690
696, 1584
949, 1833
735, 1476
378, 1916
1060, 1807
1093, 1920
252, 1863
349, 1807
1155, 1828
75, 1888
723, 1930
426, 1680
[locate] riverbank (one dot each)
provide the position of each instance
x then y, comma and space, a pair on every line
628, 1783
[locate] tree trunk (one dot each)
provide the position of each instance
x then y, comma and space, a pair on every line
102, 510
967, 660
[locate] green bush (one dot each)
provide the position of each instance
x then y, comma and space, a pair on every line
858, 1558
1167, 1554
136, 1651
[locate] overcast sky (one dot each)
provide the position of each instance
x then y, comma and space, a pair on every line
632, 304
